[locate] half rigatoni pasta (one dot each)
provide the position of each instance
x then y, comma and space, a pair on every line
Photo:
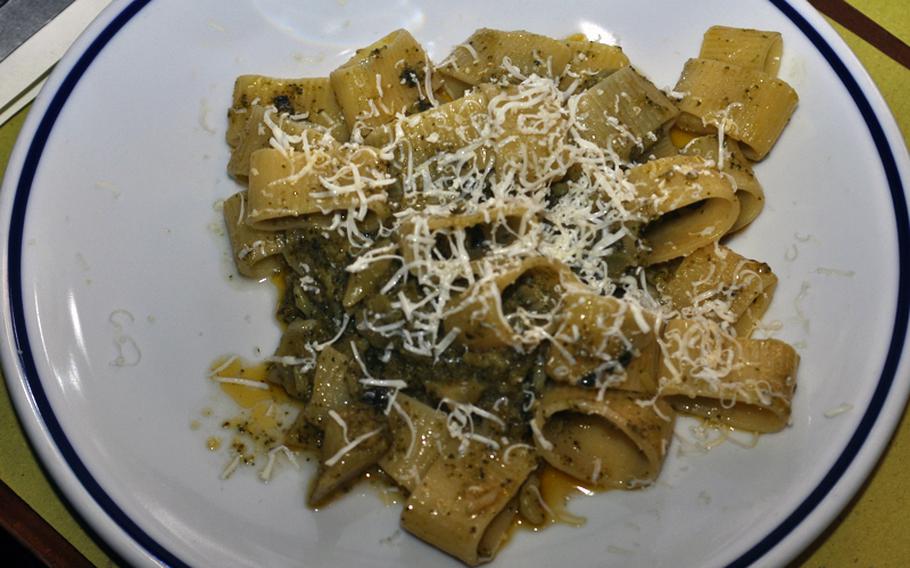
731, 161
752, 49
391, 76
623, 112
743, 383
321, 178
749, 106
464, 505
256, 253
489, 55
309, 99
716, 283
604, 439
688, 202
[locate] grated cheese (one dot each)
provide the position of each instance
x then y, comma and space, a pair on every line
242, 382
231, 467
350, 446
838, 410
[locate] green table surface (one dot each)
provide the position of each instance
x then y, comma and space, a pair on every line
873, 531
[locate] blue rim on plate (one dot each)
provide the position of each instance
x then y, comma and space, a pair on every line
110, 508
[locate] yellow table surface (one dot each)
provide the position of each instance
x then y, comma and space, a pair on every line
874, 530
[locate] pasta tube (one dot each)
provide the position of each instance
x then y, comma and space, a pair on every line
600, 337
690, 204
256, 136
743, 383
591, 62
311, 100
297, 380
605, 441
353, 440
623, 112
421, 136
721, 285
391, 76
749, 106
464, 504
418, 441
256, 253
321, 179
749, 192
489, 54
752, 49
330, 390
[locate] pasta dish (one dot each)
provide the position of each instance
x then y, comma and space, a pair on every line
508, 260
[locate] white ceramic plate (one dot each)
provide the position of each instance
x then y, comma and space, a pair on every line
107, 208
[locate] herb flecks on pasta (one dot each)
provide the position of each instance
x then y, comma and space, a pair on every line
509, 261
